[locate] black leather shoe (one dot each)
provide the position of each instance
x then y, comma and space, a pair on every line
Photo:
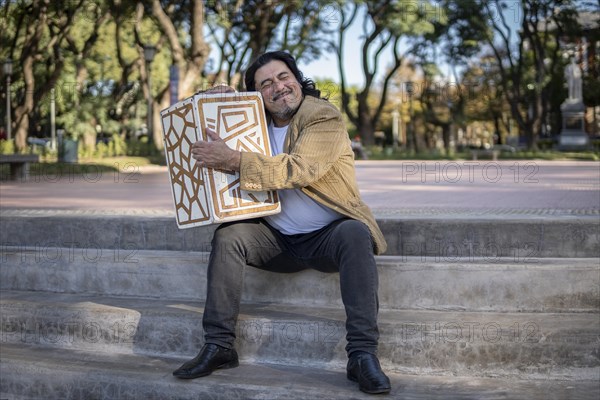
210, 358
364, 368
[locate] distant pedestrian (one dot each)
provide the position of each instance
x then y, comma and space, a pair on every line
358, 149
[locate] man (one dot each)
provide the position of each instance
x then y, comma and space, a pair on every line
323, 223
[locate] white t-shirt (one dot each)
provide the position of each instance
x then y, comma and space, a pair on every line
299, 213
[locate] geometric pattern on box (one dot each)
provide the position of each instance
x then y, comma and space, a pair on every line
240, 121
202, 195
187, 181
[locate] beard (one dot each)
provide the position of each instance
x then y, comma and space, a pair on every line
286, 113
284, 104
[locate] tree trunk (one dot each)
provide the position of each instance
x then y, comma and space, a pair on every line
446, 136
23, 111
536, 127
190, 67
497, 128
366, 127
412, 136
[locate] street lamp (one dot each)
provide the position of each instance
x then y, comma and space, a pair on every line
395, 119
149, 53
413, 136
8, 70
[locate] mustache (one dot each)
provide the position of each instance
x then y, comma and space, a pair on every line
277, 96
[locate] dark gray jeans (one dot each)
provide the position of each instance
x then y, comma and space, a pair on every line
344, 246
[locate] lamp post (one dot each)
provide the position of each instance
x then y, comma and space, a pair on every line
149, 53
413, 137
395, 118
450, 139
8, 70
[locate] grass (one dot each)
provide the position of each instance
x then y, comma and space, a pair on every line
50, 169
111, 161
378, 154
556, 156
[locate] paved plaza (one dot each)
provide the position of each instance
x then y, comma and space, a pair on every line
144, 273
391, 188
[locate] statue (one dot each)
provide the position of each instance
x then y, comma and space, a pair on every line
573, 135
573, 75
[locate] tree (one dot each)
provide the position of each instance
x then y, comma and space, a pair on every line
485, 100
384, 24
181, 23
242, 30
526, 50
442, 103
444, 96
35, 34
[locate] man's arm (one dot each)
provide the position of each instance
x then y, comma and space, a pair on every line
321, 142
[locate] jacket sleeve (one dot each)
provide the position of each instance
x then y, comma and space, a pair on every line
321, 139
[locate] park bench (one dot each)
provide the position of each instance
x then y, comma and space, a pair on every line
19, 164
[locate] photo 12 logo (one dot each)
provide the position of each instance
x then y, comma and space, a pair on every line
468, 171
67, 252
126, 172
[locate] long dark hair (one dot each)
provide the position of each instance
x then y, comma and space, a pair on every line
308, 86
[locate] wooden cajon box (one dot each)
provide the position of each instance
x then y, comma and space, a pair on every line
203, 195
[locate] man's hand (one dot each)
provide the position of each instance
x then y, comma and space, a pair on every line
215, 153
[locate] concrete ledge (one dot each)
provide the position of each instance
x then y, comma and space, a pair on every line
436, 283
29, 372
420, 342
492, 236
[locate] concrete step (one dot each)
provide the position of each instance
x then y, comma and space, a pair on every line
491, 236
47, 373
468, 284
536, 345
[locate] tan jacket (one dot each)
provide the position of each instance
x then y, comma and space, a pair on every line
318, 159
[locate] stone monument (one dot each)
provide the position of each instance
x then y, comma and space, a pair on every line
572, 135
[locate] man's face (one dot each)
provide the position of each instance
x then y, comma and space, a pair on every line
280, 89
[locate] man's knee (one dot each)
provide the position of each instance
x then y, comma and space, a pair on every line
230, 240
352, 232
240, 239
234, 232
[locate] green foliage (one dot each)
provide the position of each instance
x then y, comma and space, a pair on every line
377, 153
90, 53
117, 146
555, 155
546, 144
7, 146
